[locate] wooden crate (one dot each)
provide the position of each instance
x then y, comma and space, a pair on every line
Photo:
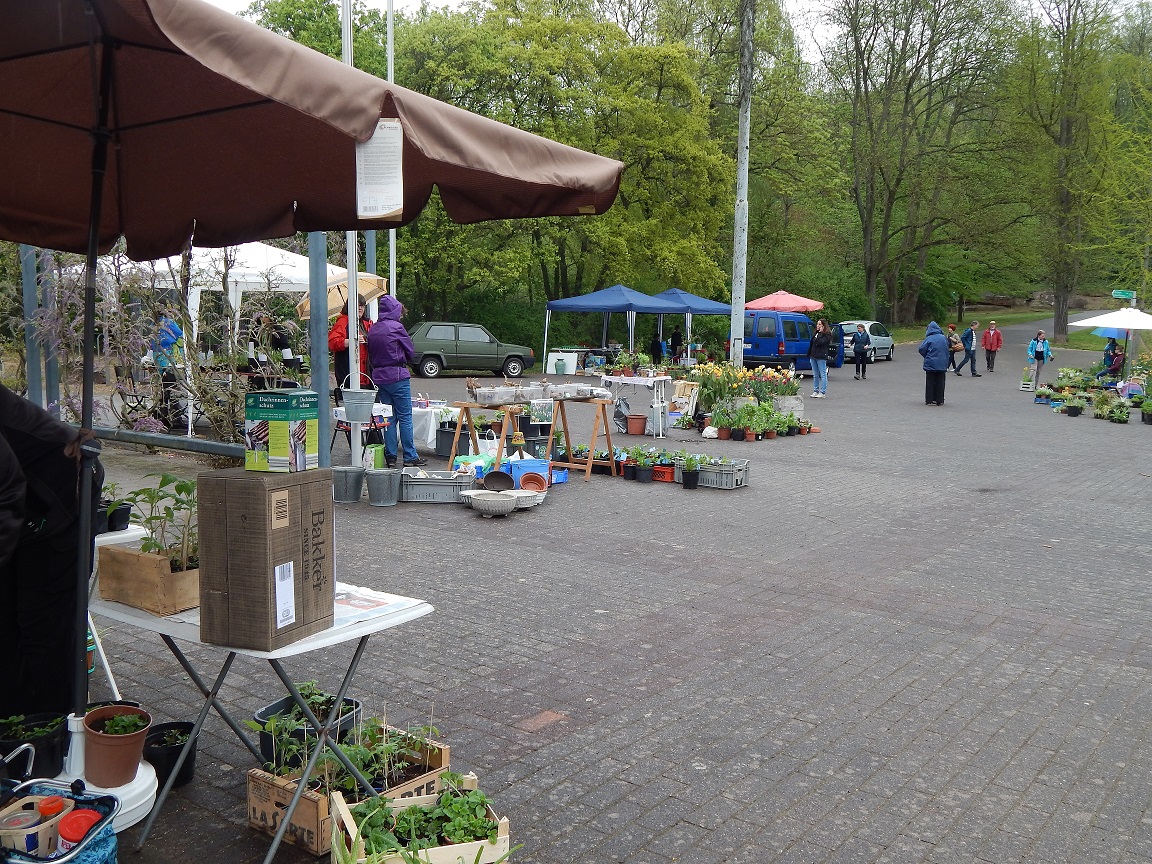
146, 581
479, 852
268, 798
311, 827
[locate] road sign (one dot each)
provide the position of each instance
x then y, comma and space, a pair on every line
1121, 294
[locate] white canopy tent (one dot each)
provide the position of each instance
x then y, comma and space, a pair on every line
245, 268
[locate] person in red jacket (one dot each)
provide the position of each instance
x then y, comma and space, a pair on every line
993, 341
338, 345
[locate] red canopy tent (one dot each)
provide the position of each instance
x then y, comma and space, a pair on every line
782, 301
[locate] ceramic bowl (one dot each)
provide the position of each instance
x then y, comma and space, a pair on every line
466, 496
493, 503
533, 482
498, 481
525, 498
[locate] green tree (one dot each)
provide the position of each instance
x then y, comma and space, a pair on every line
1062, 85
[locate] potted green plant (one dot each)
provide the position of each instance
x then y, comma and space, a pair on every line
643, 467
162, 747
1119, 412
1074, 405
163, 576
690, 471
1102, 403
761, 420
115, 510
48, 733
114, 743
723, 415
285, 732
1043, 395
742, 422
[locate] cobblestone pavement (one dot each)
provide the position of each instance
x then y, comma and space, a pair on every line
919, 636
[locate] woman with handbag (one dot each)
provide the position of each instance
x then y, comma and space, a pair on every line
818, 355
861, 342
955, 347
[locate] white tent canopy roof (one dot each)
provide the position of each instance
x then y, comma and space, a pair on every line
1128, 318
251, 267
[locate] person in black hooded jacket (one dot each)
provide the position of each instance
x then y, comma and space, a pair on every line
39, 507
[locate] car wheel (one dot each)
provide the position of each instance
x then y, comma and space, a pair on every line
872, 356
891, 353
429, 367
513, 367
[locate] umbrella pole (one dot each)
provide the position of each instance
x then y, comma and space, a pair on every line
84, 529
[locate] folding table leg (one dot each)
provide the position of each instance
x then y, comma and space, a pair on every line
187, 745
322, 740
220, 709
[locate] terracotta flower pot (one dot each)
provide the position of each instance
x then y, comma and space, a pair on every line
112, 760
770, 434
723, 433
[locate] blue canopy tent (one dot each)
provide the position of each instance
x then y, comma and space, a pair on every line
696, 306
614, 299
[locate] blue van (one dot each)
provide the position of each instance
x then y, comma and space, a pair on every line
782, 338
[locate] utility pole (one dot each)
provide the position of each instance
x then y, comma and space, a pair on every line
351, 263
740, 229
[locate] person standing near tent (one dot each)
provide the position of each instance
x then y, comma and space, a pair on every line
338, 345
1038, 354
936, 352
656, 349
818, 355
391, 350
168, 356
39, 522
676, 343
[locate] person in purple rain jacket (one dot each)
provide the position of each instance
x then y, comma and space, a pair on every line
390, 352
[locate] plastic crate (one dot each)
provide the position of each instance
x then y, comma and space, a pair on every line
731, 476
559, 475
438, 487
519, 467
664, 473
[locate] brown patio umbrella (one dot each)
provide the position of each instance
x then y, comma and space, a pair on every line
219, 127
159, 119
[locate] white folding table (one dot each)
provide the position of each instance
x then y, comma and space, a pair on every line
359, 612
658, 384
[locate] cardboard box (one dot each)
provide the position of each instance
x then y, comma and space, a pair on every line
266, 556
146, 581
311, 825
478, 852
268, 798
281, 430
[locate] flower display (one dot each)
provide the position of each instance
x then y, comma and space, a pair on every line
721, 380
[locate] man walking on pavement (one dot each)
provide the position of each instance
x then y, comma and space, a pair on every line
968, 337
993, 341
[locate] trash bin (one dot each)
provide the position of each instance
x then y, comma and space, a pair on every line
560, 364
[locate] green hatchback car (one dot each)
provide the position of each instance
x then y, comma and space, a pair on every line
445, 345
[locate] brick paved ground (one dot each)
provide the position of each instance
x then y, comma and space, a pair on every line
920, 636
